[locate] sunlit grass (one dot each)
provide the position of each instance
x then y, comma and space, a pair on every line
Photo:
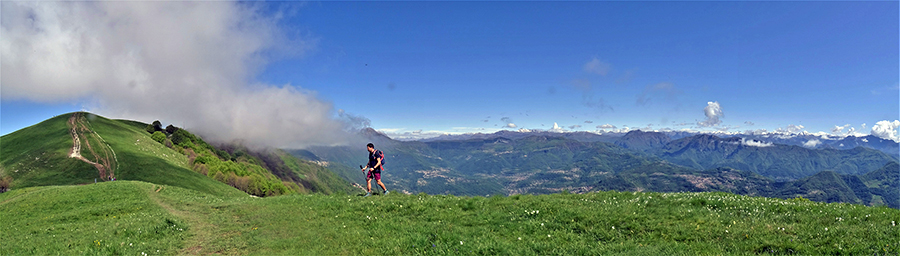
396, 224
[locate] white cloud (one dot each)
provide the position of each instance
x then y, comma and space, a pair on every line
595, 66
413, 135
524, 130
790, 129
713, 112
606, 126
886, 130
510, 125
812, 143
756, 132
556, 128
391, 130
187, 63
839, 129
405, 135
865, 140
755, 143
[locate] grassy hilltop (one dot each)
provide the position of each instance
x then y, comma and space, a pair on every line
39, 155
151, 219
42, 154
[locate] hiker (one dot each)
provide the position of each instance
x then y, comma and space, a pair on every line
374, 167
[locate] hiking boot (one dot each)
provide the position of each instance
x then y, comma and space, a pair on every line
368, 194
386, 192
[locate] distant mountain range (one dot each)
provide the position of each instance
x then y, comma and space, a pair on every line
801, 139
546, 162
79, 148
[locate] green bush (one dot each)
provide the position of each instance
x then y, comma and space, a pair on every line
171, 129
158, 137
181, 136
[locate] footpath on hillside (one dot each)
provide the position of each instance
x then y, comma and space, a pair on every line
81, 132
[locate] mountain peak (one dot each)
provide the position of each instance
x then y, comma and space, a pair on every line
641, 140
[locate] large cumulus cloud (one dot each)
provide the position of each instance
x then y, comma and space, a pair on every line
189, 63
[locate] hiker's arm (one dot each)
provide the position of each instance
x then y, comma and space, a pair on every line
377, 164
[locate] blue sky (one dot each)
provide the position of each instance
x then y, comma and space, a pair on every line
464, 66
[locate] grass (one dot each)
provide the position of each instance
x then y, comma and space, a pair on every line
143, 217
27, 153
87, 220
39, 156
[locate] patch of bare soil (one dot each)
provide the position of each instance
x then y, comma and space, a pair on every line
81, 132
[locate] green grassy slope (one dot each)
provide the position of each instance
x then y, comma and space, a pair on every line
88, 220
314, 177
144, 218
39, 155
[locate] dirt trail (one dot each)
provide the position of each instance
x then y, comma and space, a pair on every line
80, 130
202, 232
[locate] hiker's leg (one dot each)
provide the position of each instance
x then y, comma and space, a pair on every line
381, 184
369, 185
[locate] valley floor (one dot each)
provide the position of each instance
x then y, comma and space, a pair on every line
138, 218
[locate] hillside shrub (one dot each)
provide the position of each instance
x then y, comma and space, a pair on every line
231, 180
242, 183
157, 126
223, 154
171, 129
158, 137
203, 160
257, 186
181, 136
219, 177
4, 183
187, 144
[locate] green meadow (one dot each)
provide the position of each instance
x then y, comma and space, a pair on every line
139, 218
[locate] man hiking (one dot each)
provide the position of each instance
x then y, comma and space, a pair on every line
374, 167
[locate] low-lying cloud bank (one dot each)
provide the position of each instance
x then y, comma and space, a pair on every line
188, 63
883, 129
